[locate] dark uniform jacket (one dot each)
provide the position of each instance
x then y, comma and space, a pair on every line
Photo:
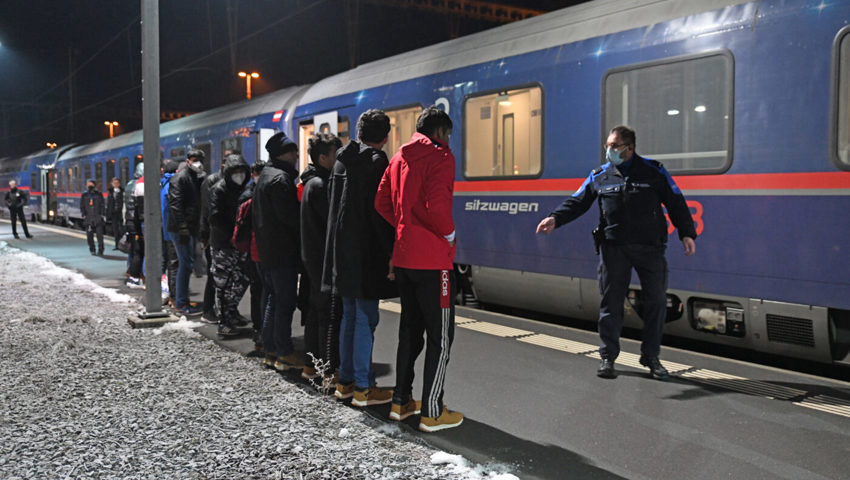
314, 221
359, 241
275, 216
206, 185
224, 203
630, 201
184, 202
91, 206
115, 201
17, 198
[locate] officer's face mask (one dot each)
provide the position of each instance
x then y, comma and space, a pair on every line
238, 178
91, 188
613, 156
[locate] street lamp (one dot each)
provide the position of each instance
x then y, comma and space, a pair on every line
51, 145
248, 77
111, 126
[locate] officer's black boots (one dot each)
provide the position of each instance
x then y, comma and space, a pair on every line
656, 370
606, 369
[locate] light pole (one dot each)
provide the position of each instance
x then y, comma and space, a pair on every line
248, 77
51, 145
111, 126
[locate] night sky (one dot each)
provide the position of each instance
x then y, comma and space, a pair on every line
289, 42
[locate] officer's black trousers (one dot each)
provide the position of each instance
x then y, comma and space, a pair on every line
17, 213
427, 307
615, 273
91, 229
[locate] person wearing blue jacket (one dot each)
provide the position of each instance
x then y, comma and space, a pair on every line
169, 254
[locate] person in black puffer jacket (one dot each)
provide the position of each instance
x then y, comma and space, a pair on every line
183, 215
275, 219
229, 266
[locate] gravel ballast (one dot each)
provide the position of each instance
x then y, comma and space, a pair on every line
82, 395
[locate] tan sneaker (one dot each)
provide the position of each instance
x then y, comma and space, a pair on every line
447, 419
371, 396
344, 390
309, 373
269, 361
399, 412
287, 362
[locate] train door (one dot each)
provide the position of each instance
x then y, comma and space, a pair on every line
328, 122
402, 126
48, 193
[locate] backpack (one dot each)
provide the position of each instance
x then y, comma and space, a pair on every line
241, 238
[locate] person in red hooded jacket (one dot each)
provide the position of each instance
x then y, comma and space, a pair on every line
415, 196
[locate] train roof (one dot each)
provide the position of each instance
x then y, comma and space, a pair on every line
572, 24
268, 103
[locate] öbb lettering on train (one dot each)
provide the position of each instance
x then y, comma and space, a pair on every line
511, 208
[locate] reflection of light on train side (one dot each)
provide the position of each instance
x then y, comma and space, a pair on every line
672, 112
699, 108
819, 7
360, 96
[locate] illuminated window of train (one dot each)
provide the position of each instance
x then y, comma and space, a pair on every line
69, 185
503, 133
125, 171
98, 175
232, 144
681, 110
110, 171
402, 126
305, 131
844, 100
86, 176
34, 182
178, 154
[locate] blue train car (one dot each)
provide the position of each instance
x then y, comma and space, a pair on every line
237, 127
747, 105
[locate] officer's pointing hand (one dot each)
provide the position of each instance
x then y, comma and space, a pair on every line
546, 225
690, 246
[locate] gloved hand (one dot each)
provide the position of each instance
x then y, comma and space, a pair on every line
184, 236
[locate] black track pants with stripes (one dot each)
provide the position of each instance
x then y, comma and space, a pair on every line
427, 309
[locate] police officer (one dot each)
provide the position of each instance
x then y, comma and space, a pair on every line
91, 206
632, 234
16, 200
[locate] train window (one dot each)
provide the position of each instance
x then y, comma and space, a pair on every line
231, 145
125, 171
681, 109
86, 177
110, 171
178, 154
343, 130
402, 127
306, 129
503, 133
843, 96
34, 182
69, 184
98, 175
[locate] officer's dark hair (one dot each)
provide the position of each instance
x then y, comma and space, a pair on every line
195, 153
91, 181
115, 178
322, 144
626, 134
432, 119
258, 167
373, 126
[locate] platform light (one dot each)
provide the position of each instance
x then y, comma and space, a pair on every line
699, 108
111, 126
248, 77
672, 112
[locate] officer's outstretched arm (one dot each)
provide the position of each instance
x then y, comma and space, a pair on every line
546, 225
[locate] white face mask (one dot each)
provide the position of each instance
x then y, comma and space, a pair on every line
117, 189
238, 178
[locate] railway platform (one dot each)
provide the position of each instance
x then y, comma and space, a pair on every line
531, 397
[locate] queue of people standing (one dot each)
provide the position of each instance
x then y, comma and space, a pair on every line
353, 228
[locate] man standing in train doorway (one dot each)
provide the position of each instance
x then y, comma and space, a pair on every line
15, 200
632, 234
91, 206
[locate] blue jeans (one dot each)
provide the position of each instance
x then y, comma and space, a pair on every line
186, 259
356, 336
282, 286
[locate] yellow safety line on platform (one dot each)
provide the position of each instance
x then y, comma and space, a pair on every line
51, 229
827, 404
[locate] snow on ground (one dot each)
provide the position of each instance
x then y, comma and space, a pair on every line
85, 396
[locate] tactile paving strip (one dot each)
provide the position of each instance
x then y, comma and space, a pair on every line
556, 343
827, 404
743, 385
494, 329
